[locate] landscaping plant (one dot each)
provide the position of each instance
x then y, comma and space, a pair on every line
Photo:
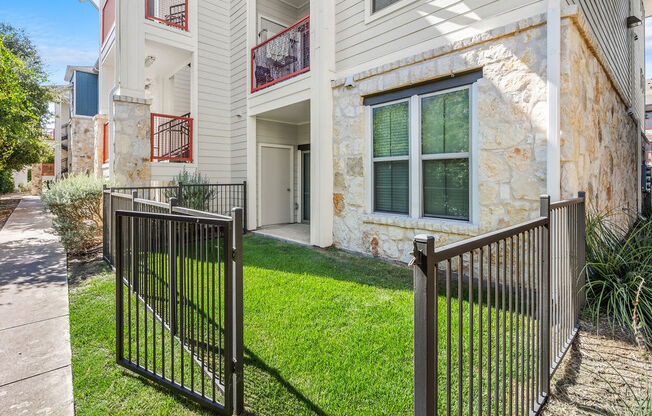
76, 202
194, 197
619, 272
6, 182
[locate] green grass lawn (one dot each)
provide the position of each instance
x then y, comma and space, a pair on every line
325, 332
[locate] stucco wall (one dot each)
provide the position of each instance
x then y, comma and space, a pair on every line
598, 137
82, 142
510, 137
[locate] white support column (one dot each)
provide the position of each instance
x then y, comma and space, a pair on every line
252, 165
130, 48
322, 64
554, 80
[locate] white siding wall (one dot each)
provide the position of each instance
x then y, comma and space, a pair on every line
422, 21
213, 128
181, 92
238, 116
278, 11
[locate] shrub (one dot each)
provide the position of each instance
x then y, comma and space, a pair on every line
25, 187
195, 197
6, 182
76, 202
619, 268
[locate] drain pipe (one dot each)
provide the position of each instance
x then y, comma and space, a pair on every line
553, 26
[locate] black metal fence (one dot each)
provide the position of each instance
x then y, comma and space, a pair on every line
495, 314
218, 199
179, 301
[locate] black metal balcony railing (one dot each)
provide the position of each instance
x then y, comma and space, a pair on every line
171, 12
172, 138
282, 56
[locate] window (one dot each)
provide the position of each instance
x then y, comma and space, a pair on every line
381, 4
434, 161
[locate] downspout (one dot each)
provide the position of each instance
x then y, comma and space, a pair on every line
553, 183
116, 74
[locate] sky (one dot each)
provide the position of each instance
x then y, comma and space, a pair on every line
65, 31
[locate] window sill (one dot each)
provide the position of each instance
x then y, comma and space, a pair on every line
425, 224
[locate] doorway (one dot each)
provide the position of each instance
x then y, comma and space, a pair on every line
275, 189
305, 185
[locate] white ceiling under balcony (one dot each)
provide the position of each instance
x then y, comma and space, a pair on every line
298, 113
163, 61
296, 3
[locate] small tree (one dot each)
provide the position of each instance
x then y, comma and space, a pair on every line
198, 196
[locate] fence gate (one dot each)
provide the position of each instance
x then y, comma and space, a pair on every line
179, 303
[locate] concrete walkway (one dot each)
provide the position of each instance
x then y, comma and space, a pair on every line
35, 372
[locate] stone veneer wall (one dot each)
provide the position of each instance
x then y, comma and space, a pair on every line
132, 149
98, 156
37, 179
82, 143
598, 137
511, 138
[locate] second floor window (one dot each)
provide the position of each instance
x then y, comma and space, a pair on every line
377, 5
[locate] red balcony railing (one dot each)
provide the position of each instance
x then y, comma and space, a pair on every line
171, 137
282, 56
105, 143
108, 18
47, 169
171, 12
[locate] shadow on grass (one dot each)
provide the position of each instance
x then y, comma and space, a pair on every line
266, 253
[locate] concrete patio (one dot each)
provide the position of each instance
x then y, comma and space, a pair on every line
35, 360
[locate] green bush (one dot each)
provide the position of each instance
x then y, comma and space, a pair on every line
76, 202
194, 197
617, 261
6, 182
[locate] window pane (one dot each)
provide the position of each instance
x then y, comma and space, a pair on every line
381, 4
391, 186
392, 130
445, 123
446, 188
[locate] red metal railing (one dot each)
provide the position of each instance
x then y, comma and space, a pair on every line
171, 137
282, 56
171, 12
47, 169
105, 144
108, 18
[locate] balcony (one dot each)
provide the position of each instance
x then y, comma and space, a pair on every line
47, 169
171, 138
171, 12
281, 57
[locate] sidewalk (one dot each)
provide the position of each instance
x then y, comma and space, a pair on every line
35, 371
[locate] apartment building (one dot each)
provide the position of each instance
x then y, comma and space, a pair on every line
361, 123
74, 131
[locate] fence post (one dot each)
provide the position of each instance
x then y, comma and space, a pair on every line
238, 338
246, 210
119, 333
172, 261
425, 283
544, 351
112, 229
132, 244
581, 253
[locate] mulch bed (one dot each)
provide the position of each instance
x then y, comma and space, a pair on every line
603, 373
7, 206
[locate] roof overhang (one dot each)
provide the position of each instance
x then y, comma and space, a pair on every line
70, 71
95, 3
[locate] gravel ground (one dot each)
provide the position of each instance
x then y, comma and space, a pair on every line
604, 373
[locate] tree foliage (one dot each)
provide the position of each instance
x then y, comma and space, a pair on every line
23, 101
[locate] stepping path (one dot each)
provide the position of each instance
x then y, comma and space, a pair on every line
35, 370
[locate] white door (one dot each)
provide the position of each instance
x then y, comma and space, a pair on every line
276, 185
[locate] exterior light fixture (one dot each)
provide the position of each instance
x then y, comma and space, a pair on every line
633, 21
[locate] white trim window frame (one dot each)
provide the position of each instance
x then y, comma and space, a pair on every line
416, 160
375, 160
370, 15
